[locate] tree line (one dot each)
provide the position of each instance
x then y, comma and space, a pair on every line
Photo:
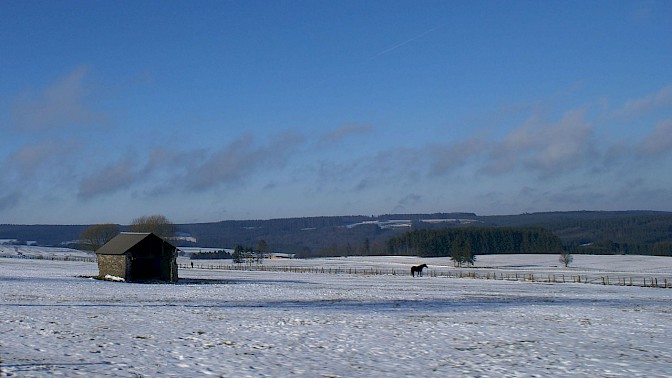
463, 244
609, 247
212, 255
648, 233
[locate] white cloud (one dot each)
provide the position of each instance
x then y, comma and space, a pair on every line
547, 148
111, 178
51, 153
447, 158
59, 105
242, 158
344, 131
660, 98
659, 141
162, 171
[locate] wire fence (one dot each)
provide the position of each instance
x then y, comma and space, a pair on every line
588, 278
52, 258
585, 278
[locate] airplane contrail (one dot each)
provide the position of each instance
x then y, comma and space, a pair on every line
403, 43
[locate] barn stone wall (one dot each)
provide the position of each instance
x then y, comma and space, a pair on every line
115, 265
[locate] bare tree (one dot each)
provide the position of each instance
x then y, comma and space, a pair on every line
157, 224
566, 258
94, 237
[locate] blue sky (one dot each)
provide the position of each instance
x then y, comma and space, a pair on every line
214, 110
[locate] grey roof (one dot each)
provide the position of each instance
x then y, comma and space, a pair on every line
122, 243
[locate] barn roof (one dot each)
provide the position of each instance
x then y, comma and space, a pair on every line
125, 241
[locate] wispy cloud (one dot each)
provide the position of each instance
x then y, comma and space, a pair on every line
122, 174
161, 171
397, 166
545, 144
241, 158
176, 163
407, 202
61, 104
9, 200
447, 158
30, 158
638, 106
658, 142
330, 173
345, 131
548, 148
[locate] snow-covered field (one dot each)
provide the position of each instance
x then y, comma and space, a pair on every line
42, 252
531, 262
272, 324
614, 269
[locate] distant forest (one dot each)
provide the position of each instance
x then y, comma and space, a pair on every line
589, 232
214, 255
478, 240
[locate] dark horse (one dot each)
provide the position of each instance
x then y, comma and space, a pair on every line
418, 269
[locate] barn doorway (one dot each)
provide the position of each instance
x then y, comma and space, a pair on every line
146, 268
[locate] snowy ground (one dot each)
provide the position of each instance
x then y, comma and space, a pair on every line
614, 269
42, 252
532, 262
268, 324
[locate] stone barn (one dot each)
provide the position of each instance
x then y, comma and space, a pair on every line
136, 256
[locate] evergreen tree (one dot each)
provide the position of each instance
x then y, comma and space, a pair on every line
238, 254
